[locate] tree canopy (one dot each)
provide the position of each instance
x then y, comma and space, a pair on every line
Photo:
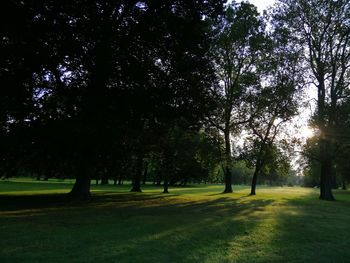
166, 91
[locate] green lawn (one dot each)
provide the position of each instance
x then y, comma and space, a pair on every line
193, 224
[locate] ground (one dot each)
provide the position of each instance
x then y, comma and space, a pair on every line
193, 224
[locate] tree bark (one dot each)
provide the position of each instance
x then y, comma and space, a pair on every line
228, 180
254, 181
325, 143
259, 164
166, 185
326, 171
81, 188
136, 187
255, 177
227, 168
167, 167
104, 179
145, 173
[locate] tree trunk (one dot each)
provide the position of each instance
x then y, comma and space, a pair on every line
254, 181
228, 180
145, 173
166, 185
258, 166
227, 168
120, 179
167, 167
167, 164
81, 188
344, 185
136, 186
326, 171
325, 143
104, 179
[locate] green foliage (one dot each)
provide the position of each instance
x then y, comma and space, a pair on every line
239, 35
312, 170
89, 86
152, 90
242, 173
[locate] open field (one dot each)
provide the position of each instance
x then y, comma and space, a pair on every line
193, 224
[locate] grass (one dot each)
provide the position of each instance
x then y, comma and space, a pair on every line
193, 224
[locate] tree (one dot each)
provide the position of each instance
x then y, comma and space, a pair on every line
240, 34
176, 36
276, 102
100, 77
312, 157
342, 145
323, 29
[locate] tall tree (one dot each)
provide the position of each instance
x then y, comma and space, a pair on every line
239, 40
176, 37
275, 106
323, 29
276, 102
100, 77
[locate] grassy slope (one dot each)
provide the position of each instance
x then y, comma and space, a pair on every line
38, 224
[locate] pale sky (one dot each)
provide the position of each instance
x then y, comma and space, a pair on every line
262, 4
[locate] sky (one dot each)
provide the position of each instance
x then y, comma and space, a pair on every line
262, 4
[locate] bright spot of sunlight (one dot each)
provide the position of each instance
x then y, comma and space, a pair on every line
307, 132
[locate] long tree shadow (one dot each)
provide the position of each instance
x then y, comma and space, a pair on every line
148, 227
141, 228
19, 202
41, 201
306, 229
194, 231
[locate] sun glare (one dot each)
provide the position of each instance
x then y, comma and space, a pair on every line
307, 132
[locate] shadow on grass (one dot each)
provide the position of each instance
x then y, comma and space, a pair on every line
19, 202
127, 227
148, 227
307, 229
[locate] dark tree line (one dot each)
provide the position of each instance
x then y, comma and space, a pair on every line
90, 85
162, 90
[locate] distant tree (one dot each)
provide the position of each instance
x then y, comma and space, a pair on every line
277, 168
242, 172
188, 156
312, 157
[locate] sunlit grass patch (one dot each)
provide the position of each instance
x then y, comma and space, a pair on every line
38, 223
